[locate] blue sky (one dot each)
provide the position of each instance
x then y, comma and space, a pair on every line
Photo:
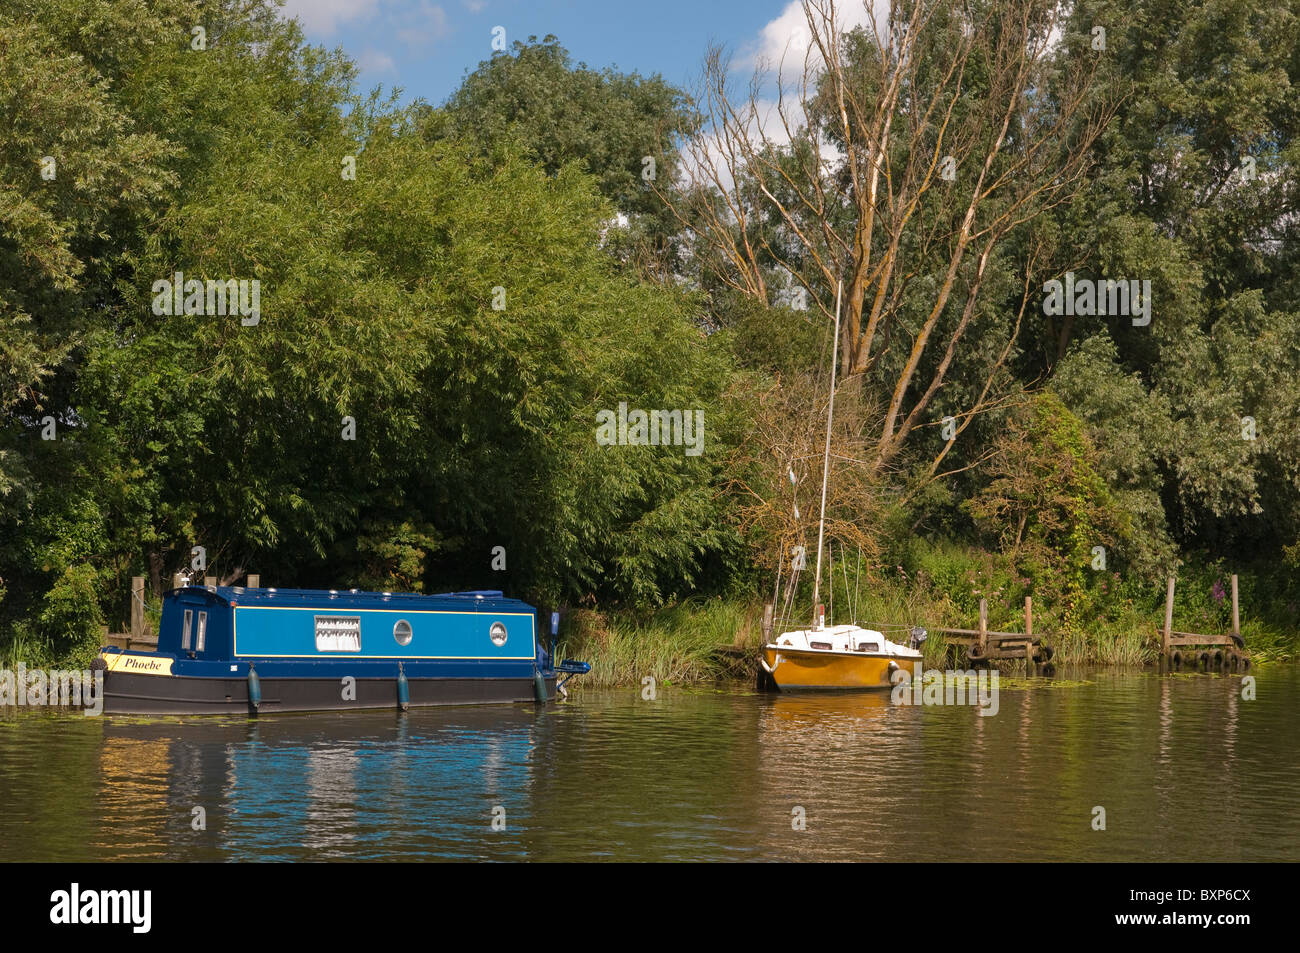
425, 46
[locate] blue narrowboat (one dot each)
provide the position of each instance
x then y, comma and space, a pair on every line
232, 649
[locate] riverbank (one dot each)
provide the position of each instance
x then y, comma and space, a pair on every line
1104, 619
1109, 622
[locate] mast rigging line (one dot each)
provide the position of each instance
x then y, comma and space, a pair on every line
826, 455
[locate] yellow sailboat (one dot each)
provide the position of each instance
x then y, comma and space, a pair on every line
836, 656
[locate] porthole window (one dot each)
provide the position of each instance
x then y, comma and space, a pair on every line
402, 632
497, 633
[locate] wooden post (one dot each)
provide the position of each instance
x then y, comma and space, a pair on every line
984, 627
1236, 612
1030, 668
177, 580
1169, 619
209, 580
767, 622
137, 607
254, 581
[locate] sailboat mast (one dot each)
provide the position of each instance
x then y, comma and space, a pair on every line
826, 456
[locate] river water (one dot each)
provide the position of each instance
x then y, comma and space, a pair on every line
1184, 767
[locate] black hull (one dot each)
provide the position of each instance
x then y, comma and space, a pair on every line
129, 694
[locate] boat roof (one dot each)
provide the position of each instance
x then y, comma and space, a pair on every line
842, 629
354, 598
851, 634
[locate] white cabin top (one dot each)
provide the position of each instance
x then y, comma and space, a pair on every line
843, 638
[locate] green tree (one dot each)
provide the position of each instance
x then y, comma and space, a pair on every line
624, 129
1195, 190
436, 335
1047, 504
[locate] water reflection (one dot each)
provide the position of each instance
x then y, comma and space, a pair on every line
1184, 767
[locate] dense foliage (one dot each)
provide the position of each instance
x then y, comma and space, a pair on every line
449, 297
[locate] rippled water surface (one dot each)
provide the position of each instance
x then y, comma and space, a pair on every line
1185, 768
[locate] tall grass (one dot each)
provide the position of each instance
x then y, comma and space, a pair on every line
679, 644
16, 649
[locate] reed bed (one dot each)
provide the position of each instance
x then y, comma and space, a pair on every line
675, 645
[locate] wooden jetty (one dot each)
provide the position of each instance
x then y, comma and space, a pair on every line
983, 646
1226, 652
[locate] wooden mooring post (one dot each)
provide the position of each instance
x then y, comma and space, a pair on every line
135, 634
1236, 610
137, 608
1168, 631
1031, 663
254, 581
1225, 653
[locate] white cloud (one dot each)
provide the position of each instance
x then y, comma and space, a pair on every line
375, 61
416, 24
783, 41
422, 24
325, 16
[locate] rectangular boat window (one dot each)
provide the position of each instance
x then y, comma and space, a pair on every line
185, 633
202, 632
338, 633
